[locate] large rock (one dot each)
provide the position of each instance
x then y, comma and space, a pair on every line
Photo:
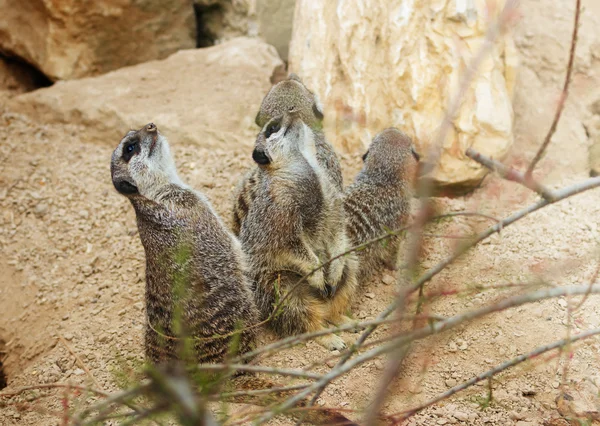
380, 63
207, 97
222, 20
274, 21
72, 38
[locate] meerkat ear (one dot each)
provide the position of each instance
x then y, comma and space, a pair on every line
364, 157
258, 120
415, 153
318, 108
295, 77
125, 187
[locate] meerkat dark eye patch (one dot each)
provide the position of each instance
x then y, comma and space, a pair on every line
260, 157
272, 128
364, 158
125, 187
130, 149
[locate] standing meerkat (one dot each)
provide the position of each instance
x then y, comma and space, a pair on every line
292, 222
195, 268
193, 263
379, 199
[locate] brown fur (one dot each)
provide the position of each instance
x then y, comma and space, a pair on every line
379, 199
292, 95
293, 221
186, 243
192, 262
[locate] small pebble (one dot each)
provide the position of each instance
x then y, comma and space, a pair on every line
451, 383
460, 415
388, 279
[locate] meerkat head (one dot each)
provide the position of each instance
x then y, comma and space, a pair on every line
392, 150
142, 163
281, 140
287, 96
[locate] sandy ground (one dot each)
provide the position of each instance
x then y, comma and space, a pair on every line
72, 269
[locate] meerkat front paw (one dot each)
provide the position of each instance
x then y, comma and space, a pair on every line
317, 280
332, 342
336, 271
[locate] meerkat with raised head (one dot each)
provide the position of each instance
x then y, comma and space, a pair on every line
195, 268
284, 97
293, 222
379, 199
193, 263
292, 95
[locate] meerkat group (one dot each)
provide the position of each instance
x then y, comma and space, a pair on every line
288, 260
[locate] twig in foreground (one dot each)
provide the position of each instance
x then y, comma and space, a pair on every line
427, 331
563, 96
511, 174
504, 366
79, 361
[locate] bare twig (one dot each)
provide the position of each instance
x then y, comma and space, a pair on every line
504, 366
53, 386
563, 96
258, 369
79, 361
495, 29
427, 331
511, 174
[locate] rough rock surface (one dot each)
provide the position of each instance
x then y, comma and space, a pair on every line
275, 19
222, 20
593, 131
170, 92
378, 63
71, 39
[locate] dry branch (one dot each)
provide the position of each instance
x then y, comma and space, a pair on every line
498, 369
427, 331
563, 96
511, 174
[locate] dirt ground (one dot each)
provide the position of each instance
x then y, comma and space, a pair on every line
72, 266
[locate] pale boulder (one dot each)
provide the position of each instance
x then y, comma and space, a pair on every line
381, 63
72, 38
207, 97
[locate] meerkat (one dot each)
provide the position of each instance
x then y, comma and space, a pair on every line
379, 199
292, 95
293, 222
195, 267
187, 246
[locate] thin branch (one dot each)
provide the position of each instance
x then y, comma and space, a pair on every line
79, 361
427, 331
53, 386
259, 369
504, 366
266, 391
117, 398
510, 174
563, 96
